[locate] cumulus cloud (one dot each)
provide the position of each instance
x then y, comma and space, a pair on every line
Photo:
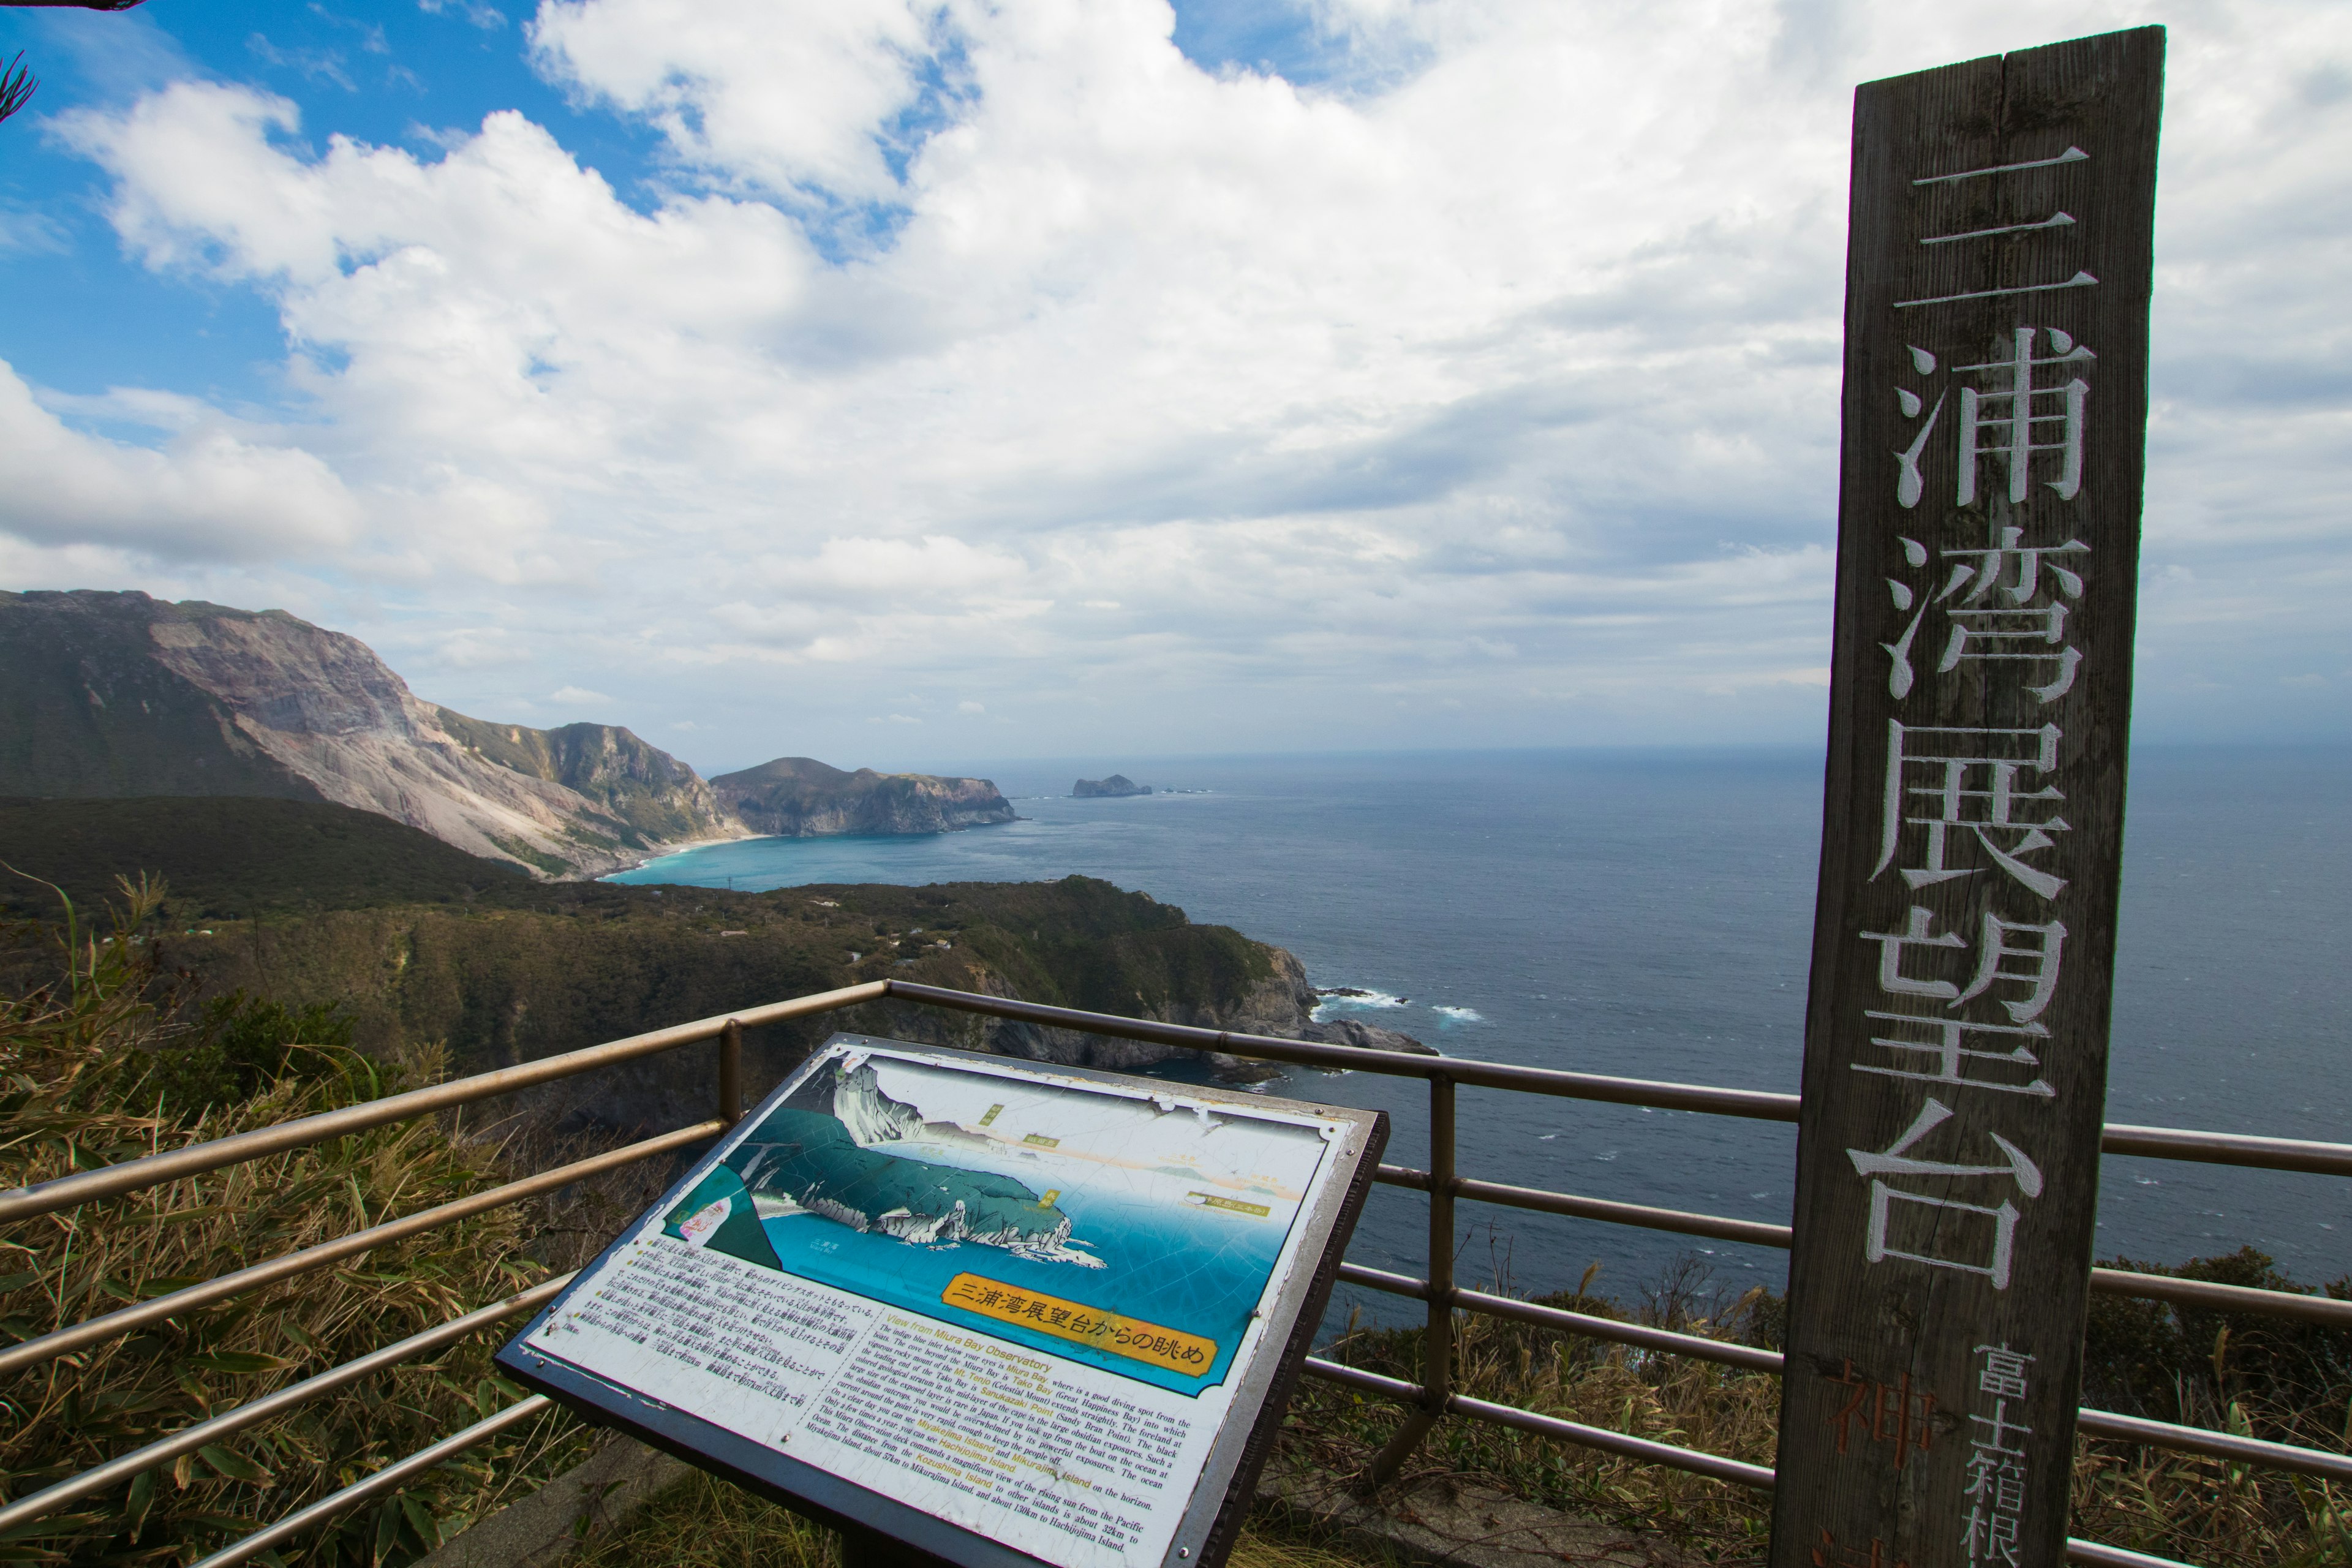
1002, 346
210, 493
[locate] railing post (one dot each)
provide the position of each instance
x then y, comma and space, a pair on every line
730, 1072
1437, 1341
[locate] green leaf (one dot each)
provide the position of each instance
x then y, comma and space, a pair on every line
141, 1499
55, 1524
421, 1519
18, 1281
387, 1532
239, 1363
163, 1284
235, 1466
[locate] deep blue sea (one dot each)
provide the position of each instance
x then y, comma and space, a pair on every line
1649, 914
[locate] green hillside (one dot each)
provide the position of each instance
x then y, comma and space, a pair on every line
85, 708
226, 855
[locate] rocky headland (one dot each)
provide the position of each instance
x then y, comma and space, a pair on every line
800, 798
1118, 784
118, 695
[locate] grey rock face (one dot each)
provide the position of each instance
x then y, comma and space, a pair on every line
800, 798
120, 694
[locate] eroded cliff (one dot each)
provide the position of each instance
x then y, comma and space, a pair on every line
120, 694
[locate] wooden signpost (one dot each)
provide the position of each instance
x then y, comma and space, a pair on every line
1994, 415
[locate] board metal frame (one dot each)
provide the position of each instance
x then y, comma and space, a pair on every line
1261, 1377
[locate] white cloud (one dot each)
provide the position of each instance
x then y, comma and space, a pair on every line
212, 492
574, 696
1000, 346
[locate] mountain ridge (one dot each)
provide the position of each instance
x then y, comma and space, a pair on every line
110, 695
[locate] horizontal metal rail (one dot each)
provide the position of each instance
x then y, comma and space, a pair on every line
1719, 1228
1739, 1472
212, 1429
1757, 1104
391, 1479
110, 1181
2223, 1298
1747, 1357
1714, 1466
2107, 1281
2091, 1423
2155, 1142
1646, 1449
1442, 1072
2117, 1428
1356, 1377
286, 1266
2227, 1149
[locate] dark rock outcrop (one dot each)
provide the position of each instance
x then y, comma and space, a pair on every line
1279, 1003
122, 695
1115, 785
799, 798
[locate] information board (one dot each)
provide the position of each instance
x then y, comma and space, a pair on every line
1000, 1311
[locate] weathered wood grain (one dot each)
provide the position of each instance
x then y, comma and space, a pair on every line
1891, 1388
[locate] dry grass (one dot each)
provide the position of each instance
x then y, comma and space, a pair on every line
79, 1088
2195, 1510
77, 1064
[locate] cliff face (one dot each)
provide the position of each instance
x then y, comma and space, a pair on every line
120, 694
661, 798
799, 798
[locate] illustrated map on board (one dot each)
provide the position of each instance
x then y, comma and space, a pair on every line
1013, 1296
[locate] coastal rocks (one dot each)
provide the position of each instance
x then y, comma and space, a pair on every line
800, 798
1365, 1037
1118, 784
120, 694
1280, 1004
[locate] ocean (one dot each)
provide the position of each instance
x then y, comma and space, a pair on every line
1649, 913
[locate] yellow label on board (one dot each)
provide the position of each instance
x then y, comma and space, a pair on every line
994, 1112
1042, 1142
1232, 1205
1190, 1355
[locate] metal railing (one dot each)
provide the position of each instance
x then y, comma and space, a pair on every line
1426, 1401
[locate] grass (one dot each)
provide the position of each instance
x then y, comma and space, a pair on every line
106, 1060
100, 1066
2231, 1373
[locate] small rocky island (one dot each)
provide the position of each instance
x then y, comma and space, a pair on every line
800, 798
1117, 785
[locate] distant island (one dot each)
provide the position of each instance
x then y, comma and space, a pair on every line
118, 696
1117, 785
800, 798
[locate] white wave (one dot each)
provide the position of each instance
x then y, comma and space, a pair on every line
1352, 999
1460, 1014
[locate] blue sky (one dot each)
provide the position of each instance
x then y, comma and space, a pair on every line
894, 381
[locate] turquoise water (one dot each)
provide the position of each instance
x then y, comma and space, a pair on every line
1198, 1272
1650, 914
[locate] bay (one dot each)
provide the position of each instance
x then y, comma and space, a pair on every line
1649, 914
